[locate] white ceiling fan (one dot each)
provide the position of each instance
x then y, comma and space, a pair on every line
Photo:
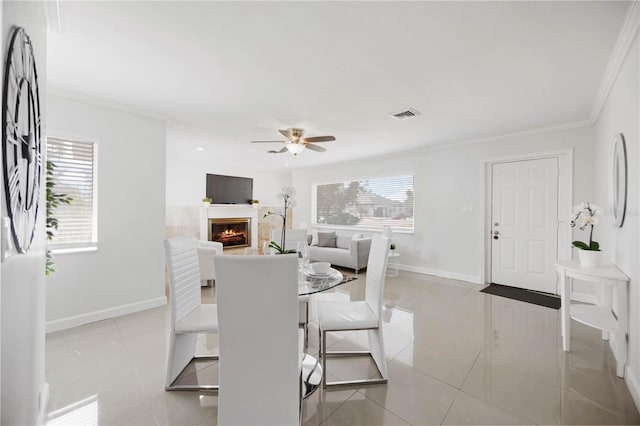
296, 143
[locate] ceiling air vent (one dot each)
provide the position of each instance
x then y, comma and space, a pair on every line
403, 115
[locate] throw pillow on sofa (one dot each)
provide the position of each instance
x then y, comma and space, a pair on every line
326, 239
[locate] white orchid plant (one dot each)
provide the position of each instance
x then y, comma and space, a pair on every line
583, 216
287, 195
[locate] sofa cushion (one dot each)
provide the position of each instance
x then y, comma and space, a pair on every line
335, 256
327, 239
343, 241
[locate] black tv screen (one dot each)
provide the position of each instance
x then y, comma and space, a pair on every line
229, 189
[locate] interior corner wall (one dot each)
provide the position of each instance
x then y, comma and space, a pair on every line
22, 275
186, 178
449, 191
621, 114
187, 169
126, 272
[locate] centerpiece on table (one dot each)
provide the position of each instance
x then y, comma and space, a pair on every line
585, 216
287, 195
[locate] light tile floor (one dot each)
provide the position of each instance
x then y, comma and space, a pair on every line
456, 356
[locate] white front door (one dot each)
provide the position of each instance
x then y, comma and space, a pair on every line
524, 224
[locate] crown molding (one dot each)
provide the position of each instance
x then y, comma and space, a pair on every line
522, 133
623, 45
104, 103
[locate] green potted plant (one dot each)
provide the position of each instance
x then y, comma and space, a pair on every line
585, 216
54, 200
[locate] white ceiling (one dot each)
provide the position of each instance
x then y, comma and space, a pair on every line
230, 72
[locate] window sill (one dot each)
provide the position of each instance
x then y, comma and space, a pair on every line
361, 228
72, 250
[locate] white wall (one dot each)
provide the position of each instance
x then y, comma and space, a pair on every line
23, 284
621, 114
187, 169
126, 273
449, 194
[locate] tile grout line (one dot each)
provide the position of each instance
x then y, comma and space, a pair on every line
337, 408
462, 384
135, 370
482, 399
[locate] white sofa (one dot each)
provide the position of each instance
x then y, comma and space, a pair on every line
349, 252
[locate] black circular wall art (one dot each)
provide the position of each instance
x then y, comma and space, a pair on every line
21, 139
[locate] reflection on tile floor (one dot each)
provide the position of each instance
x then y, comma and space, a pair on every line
456, 356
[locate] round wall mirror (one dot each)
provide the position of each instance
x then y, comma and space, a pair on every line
619, 180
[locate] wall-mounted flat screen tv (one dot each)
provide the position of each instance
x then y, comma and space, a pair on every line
229, 189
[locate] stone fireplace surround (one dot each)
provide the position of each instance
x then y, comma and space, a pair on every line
193, 219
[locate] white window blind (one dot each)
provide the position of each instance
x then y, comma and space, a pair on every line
370, 203
74, 175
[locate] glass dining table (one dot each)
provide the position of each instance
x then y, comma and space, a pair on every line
310, 283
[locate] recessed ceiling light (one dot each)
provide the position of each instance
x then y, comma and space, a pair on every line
199, 148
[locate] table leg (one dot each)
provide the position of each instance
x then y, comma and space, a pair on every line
605, 300
565, 289
621, 336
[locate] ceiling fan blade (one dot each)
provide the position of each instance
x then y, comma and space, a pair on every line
320, 139
313, 147
271, 151
267, 141
285, 133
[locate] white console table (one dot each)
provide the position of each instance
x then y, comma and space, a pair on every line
601, 316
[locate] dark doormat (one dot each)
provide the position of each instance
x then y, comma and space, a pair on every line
529, 296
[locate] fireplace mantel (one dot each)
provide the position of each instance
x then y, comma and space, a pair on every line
221, 211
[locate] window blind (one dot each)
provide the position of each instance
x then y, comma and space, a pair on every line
73, 174
370, 203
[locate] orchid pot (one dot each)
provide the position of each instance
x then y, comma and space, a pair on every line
590, 258
586, 216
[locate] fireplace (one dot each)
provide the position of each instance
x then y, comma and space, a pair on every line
231, 232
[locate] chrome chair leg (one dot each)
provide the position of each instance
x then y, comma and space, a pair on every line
326, 354
204, 388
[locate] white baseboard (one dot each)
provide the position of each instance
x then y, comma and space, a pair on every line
584, 297
43, 402
89, 317
633, 385
438, 273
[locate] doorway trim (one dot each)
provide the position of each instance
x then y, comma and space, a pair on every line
565, 201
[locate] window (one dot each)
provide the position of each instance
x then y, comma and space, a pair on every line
370, 203
74, 174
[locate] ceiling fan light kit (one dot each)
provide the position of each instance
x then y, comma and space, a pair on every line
295, 148
295, 142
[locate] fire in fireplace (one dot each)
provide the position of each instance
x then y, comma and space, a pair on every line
231, 232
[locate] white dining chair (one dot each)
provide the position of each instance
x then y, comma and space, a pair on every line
360, 315
260, 353
189, 316
206, 251
292, 238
